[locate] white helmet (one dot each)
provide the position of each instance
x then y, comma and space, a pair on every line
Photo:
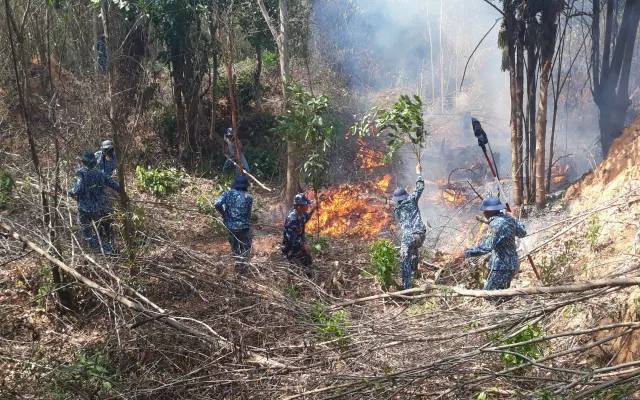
108, 145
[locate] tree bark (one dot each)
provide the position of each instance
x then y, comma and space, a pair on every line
547, 48
595, 45
518, 189
532, 68
256, 78
213, 79
441, 60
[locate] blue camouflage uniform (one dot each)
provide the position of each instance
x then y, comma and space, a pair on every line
94, 206
228, 165
413, 232
106, 162
102, 55
293, 240
501, 243
235, 207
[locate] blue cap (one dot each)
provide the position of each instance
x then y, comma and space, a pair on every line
240, 182
88, 158
229, 132
400, 194
492, 204
301, 200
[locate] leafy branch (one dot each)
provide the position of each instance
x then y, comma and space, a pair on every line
402, 123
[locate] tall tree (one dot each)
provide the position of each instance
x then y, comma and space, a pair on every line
610, 86
281, 37
550, 11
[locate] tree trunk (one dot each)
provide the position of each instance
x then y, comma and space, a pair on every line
213, 79
441, 61
256, 78
595, 46
178, 88
64, 297
532, 67
118, 142
613, 96
547, 48
281, 37
518, 190
513, 94
432, 67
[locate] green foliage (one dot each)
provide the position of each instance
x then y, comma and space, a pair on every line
292, 292
303, 125
331, 325
88, 374
7, 180
543, 394
384, 262
269, 58
593, 230
263, 160
320, 244
160, 182
403, 123
532, 350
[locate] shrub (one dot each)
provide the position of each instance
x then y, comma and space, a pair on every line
384, 262
86, 377
269, 58
332, 325
593, 231
160, 182
531, 350
7, 180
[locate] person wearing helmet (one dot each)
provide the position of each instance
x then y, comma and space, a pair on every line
230, 140
94, 207
407, 213
294, 243
106, 158
501, 243
235, 207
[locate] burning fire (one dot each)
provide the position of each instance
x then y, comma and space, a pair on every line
559, 172
354, 210
368, 157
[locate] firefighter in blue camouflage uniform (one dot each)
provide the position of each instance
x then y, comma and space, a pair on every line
501, 243
231, 140
101, 47
106, 158
413, 229
94, 206
235, 205
294, 243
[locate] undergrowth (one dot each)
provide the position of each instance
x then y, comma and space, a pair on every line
160, 181
384, 263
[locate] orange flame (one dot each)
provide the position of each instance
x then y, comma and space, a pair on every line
367, 157
354, 210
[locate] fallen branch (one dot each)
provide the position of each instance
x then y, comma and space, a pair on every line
249, 175
459, 292
213, 338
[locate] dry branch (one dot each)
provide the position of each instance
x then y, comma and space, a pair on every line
458, 292
213, 338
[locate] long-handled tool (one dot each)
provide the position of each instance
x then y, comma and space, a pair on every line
483, 141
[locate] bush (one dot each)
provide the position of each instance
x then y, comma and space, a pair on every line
269, 58
332, 325
7, 180
532, 350
263, 161
160, 182
384, 260
86, 377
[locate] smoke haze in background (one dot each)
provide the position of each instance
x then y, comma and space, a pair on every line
385, 48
